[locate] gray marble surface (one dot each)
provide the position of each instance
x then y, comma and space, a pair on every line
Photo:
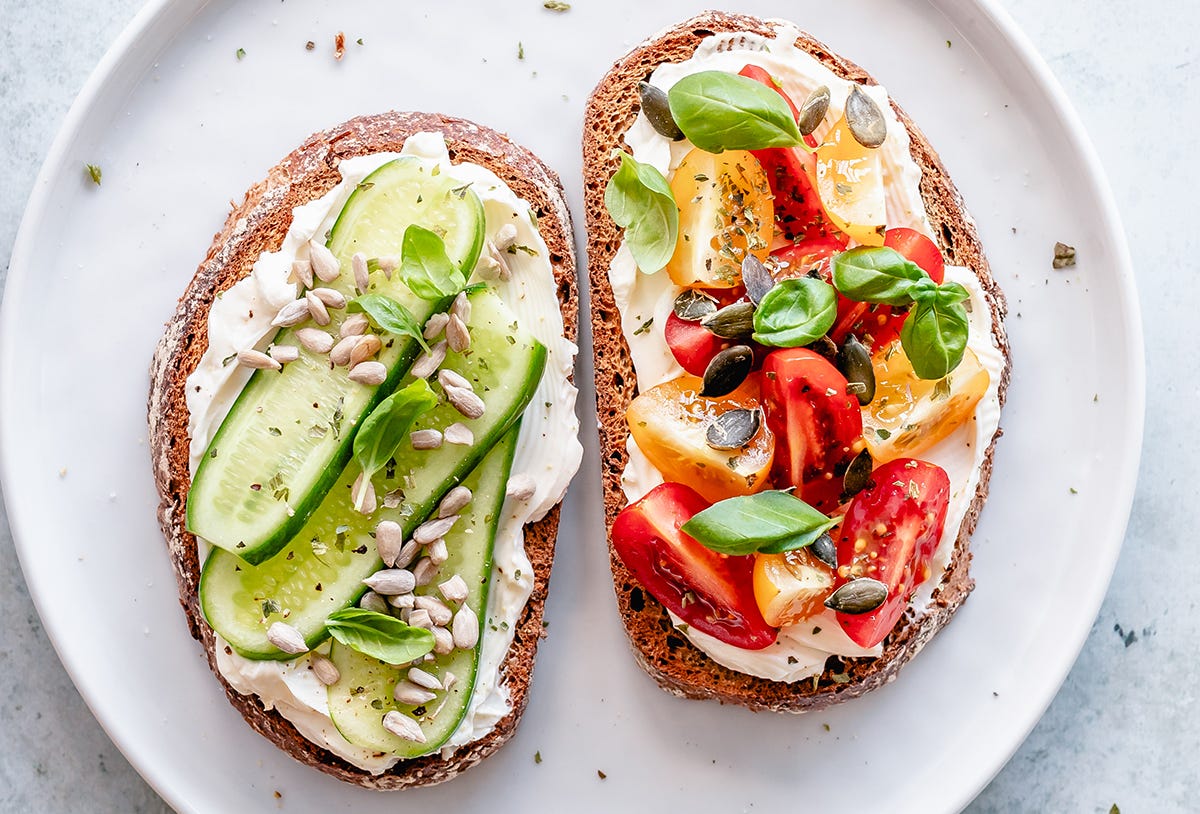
1126, 725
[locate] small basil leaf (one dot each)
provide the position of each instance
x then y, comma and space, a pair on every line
934, 337
426, 268
378, 635
721, 111
744, 524
876, 274
639, 200
389, 315
801, 540
795, 312
387, 425
948, 293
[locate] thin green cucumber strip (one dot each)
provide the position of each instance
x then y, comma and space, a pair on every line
363, 695
288, 435
322, 568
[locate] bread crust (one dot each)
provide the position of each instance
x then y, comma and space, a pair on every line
259, 223
663, 652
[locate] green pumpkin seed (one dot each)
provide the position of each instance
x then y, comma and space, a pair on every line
858, 475
658, 111
732, 321
854, 361
858, 596
757, 278
727, 370
733, 429
825, 550
866, 121
813, 111
692, 305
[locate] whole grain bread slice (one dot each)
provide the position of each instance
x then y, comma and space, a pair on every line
662, 651
259, 223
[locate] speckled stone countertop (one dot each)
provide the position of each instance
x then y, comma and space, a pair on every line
1124, 729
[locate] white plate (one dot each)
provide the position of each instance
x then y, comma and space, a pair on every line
180, 126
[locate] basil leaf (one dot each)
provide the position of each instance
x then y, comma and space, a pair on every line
639, 200
934, 336
721, 111
387, 425
389, 315
948, 293
795, 312
744, 525
379, 635
426, 268
876, 274
802, 540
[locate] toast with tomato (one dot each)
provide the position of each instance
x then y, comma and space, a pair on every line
800, 360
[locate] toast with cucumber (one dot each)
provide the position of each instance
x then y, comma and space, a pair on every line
800, 365
362, 426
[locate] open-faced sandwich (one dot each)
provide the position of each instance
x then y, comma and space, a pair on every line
362, 421
800, 364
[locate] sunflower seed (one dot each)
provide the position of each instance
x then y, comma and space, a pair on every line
410, 694
325, 266
315, 340
387, 264
291, 314
425, 439
402, 602
692, 305
340, 354
369, 373
407, 554
455, 501
257, 360
373, 602
459, 433
487, 268
286, 638
403, 727
858, 596
733, 429
302, 273
858, 475
865, 119
825, 550
454, 589
465, 401
389, 539
457, 335
757, 279
430, 530
465, 628
429, 362
658, 111
502, 271
435, 325
854, 361
420, 618
324, 669
449, 680
727, 370
331, 298
437, 610
391, 582
367, 346
437, 551
354, 325
506, 236
461, 307
284, 353
425, 570
448, 378
362, 277
423, 679
813, 111
369, 503
732, 321
317, 309
520, 487
443, 640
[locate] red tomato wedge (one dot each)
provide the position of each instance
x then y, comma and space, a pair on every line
714, 593
817, 424
791, 173
890, 532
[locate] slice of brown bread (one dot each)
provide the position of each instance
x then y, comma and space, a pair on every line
259, 224
662, 651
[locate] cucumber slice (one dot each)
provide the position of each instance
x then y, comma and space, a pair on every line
321, 570
363, 694
289, 434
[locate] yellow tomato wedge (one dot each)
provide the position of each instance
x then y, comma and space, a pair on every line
850, 186
725, 210
670, 424
790, 587
909, 414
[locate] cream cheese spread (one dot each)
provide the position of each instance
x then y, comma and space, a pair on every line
802, 649
548, 448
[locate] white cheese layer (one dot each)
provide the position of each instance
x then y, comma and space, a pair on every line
802, 649
548, 448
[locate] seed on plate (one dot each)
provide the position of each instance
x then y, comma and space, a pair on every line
465, 401
317, 309
506, 236
408, 553
520, 487
813, 111
403, 727
858, 475
325, 265
854, 361
487, 268
315, 340
286, 638
502, 270
693, 305
431, 530
257, 360
331, 298
448, 378
340, 354
437, 551
865, 119
435, 325
443, 640
368, 373
291, 314
825, 550
367, 346
727, 370
362, 277
757, 278
354, 325
429, 362
387, 263
284, 353
302, 273
389, 539
425, 439
457, 335
449, 680
732, 321
423, 679
459, 433
324, 669
454, 589
373, 602
437, 610
658, 111
858, 596
465, 628
733, 429
368, 502
455, 501
391, 582
402, 602
425, 570
461, 307
420, 618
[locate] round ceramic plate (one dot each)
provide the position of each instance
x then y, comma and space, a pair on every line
181, 124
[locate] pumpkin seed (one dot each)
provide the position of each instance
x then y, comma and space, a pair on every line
825, 550
757, 278
657, 108
813, 111
732, 321
866, 121
858, 475
693, 305
727, 370
858, 596
733, 429
854, 361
